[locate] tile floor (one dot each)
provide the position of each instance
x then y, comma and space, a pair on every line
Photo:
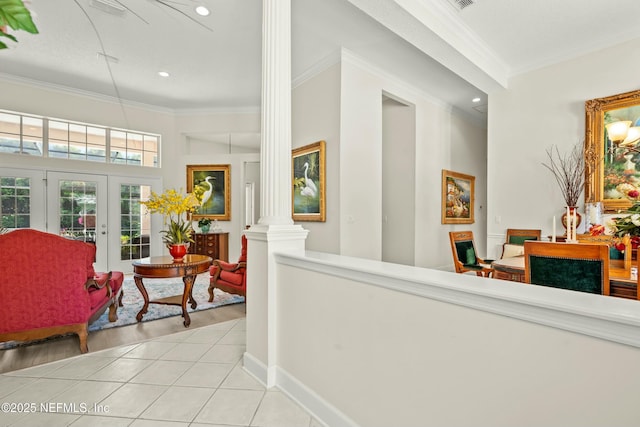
191, 378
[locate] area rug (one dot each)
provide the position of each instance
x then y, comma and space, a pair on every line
132, 300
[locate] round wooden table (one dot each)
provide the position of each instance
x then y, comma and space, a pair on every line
162, 267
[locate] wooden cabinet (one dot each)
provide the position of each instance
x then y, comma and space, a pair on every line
215, 245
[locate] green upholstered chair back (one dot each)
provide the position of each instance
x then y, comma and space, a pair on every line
573, 266
519, 240
517, 236
466, 252
582, 275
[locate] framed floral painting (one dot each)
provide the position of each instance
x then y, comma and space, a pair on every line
211, 184
458, 191
308, 193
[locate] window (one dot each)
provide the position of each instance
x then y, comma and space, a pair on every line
23, 134
15, 199
135, 223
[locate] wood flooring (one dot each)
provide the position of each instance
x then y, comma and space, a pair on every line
69, 346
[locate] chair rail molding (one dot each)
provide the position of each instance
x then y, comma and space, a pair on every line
604, 317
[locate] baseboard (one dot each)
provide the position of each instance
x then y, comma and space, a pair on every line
323, 411
320, 409
255, 368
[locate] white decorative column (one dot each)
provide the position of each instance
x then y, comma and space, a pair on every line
275, 230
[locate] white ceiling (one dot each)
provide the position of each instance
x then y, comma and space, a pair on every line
218, 67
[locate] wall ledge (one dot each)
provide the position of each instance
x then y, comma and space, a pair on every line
609, 318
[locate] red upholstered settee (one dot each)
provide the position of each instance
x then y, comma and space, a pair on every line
229, 277
48, 287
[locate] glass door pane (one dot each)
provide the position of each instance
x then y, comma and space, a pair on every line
135, 222
77, 209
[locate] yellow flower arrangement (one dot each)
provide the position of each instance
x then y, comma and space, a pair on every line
173, 205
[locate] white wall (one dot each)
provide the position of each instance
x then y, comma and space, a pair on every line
315, 116
444, 140
540, 109
398, 181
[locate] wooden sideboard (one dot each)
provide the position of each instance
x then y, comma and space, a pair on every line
214, 245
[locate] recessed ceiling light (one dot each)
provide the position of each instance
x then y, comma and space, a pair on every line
202, 11
163, 74
475, 100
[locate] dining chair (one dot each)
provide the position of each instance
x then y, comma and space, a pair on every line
619, 260
513, 245
573, 266
465, 255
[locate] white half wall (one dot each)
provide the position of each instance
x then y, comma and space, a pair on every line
450, 349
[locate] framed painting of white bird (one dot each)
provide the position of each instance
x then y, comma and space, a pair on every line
457, 197
211, 184
308, 180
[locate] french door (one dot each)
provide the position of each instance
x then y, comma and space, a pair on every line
106, 211
77, 209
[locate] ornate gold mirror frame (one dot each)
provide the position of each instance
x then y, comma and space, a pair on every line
611, 157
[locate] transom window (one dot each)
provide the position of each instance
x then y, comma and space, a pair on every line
46, 137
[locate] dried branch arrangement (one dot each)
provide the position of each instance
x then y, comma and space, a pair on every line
569, 172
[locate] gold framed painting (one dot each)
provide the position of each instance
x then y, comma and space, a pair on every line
308, 180
458, 192
211, 184
612, 151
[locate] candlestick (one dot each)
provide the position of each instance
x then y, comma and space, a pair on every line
575, 225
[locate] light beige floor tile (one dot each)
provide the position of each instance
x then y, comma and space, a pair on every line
130, 400
41, 370
86, 394
316, 423
175, 338
220, 353
150, 350
189, 352
9, 384
206, 336
164, 372
81, 368
277, 410
178, 404
238, 378
121, 370
222, 326
41, 390
100, 421
241, 325
46, 420
211, 425
235, 407
156, 423
205, 375
114, 352
234, 337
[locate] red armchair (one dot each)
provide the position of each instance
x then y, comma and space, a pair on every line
48, 287
229, 277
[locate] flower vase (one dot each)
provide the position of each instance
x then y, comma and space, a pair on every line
204, 229
178, 252
572, 210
